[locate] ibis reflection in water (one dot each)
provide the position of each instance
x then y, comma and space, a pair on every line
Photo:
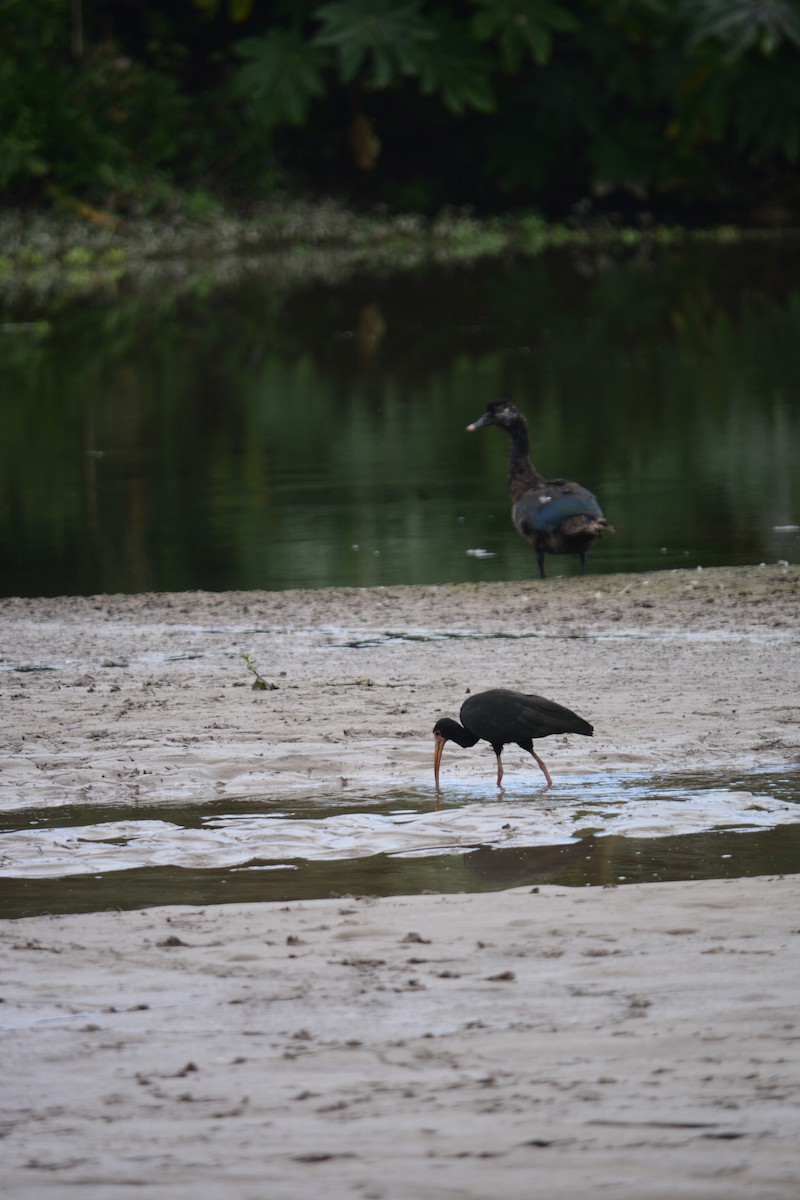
556, 516
500, 716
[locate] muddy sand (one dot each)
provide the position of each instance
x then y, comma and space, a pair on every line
639, 1041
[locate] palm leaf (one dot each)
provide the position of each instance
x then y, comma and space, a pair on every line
282, 74
376, 36
742, 25
453, 66
522, 28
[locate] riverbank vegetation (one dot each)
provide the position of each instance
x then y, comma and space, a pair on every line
197, 138
48, 255
117, 111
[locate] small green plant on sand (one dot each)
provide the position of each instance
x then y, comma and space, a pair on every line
259, 684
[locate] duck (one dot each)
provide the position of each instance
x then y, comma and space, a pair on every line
557, 516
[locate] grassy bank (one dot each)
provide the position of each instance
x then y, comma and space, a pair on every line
47, 253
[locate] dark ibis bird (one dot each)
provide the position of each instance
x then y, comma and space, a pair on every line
500, 716
556, 516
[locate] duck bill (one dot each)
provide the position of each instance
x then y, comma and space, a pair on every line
481, 423
437, 756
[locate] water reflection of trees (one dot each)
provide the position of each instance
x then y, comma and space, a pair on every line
243, 436
613, 860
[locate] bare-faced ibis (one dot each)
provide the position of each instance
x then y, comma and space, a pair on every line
556, 516
500, 716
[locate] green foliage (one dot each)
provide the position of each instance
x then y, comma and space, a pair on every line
281, 76
744, 25
767, 123
100, 125
522, 28
238, 10
259, 683
452, 66
378, 37
757, 110
539, 103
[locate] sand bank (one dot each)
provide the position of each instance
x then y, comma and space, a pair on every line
634, 1041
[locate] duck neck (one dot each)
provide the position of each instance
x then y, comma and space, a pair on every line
522, 474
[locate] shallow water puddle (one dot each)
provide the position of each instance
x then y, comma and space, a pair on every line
587, 830
352, 639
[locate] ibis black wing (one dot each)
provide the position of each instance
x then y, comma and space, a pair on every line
501, 715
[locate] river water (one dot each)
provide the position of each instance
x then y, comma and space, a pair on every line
245, 436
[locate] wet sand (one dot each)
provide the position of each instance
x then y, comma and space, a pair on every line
146, 698
636, 1041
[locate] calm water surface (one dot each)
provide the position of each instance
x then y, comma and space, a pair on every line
240, 437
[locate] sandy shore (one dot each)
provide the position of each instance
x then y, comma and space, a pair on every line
147, 698
635, 1041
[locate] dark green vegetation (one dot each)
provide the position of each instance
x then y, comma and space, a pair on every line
113, 108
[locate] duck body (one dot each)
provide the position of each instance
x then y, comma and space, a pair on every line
502, 716
557, 516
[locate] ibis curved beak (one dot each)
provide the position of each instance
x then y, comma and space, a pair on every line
437, 756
